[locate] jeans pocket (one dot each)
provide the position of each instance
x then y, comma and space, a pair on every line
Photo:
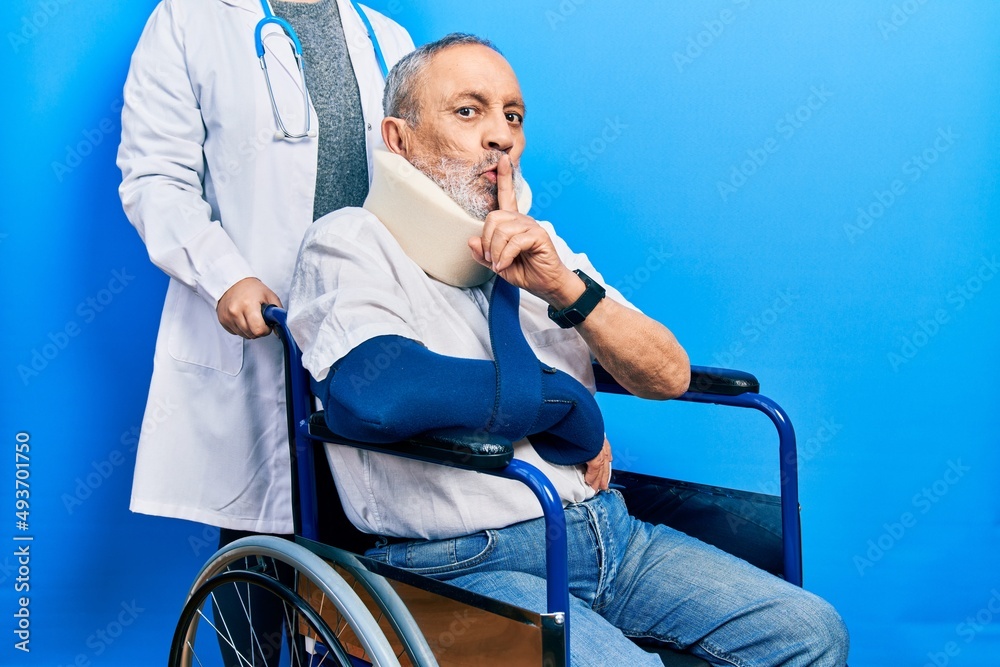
451, 557
380, 554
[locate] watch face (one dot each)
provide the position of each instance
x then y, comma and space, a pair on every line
577, 312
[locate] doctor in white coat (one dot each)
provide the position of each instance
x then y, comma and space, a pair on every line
222, 205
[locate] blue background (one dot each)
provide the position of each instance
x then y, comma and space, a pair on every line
715, 160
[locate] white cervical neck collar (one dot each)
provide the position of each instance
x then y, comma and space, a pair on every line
431, 228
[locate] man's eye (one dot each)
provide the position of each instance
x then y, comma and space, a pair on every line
466, 112
514, 118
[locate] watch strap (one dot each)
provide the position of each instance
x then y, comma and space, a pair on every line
577, 312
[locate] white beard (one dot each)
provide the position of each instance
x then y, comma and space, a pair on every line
462, 181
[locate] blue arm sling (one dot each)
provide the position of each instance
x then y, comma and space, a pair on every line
391, 388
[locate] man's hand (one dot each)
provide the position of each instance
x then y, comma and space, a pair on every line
598, 472
239, 308
517, 248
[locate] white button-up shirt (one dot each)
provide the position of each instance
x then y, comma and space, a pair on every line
353, 283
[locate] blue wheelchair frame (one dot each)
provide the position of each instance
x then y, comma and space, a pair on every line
708, 385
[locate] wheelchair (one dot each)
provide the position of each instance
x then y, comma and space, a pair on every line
339, 608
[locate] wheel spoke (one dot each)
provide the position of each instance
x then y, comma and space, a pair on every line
251, 586
195, 654
227, 637
291, 626
248, 612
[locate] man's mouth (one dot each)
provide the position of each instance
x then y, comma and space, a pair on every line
491, 175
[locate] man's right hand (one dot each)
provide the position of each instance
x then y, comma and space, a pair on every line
239, 308
520, 251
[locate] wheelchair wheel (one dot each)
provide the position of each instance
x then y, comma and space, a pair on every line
390, 608
271, 575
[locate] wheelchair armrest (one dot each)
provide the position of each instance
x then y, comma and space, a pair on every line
708, 380
463, 450
704, 380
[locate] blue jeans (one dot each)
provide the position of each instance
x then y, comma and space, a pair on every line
630, 579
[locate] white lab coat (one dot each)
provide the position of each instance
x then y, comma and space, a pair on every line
216, 199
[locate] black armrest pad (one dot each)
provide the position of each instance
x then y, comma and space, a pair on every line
708, 380
704, 379
463, 450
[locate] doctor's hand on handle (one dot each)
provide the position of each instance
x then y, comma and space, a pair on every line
239, 308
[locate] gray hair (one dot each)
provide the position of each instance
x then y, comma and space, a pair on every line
399, 99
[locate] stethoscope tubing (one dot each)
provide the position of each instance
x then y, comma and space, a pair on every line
258, 36
269, 17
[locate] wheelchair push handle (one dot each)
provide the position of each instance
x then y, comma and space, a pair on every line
273, 315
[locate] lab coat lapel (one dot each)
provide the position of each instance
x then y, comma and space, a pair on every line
367, 72
363, 61
249, 5
289, 167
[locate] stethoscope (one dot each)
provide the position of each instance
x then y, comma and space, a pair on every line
289, 33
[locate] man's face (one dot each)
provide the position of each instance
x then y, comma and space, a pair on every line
470, 113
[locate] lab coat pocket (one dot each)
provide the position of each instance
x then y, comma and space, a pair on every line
195, 335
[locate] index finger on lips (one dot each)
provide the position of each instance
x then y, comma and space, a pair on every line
506, 199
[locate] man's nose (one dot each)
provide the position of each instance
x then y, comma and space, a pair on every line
497, 134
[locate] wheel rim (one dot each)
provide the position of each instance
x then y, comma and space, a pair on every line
318, 582
303, 638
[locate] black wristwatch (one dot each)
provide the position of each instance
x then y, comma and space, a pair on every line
577, 311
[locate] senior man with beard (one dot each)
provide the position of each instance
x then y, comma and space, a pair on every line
423, 275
